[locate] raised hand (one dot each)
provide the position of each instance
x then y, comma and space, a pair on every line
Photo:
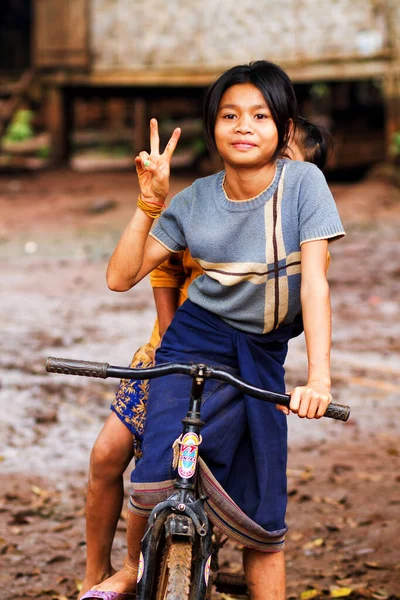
153, 169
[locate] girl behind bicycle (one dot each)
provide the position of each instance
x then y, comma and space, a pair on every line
253, 228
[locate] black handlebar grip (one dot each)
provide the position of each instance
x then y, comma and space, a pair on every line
338, 412
66, 366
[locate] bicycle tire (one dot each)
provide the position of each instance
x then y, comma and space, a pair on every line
175, 571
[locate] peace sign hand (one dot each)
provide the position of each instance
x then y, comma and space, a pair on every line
153, 169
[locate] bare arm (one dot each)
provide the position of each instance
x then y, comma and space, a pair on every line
166, 281
136, 254
166, 300
312, 400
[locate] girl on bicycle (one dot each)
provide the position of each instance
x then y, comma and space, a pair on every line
260, 231
121, 437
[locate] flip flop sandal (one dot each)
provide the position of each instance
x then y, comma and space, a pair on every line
108, 595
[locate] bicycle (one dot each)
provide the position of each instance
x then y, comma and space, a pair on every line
178, 549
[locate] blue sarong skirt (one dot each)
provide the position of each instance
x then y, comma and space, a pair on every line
243, 453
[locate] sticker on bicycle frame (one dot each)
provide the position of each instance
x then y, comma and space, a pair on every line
207, 569
140, 568
188, 455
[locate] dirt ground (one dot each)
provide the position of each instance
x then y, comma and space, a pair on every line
57, 230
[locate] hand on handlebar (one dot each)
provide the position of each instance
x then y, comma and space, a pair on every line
153, 169
309, 400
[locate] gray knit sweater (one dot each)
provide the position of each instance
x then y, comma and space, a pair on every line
250, 250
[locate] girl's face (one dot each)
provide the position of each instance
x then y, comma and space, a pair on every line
245, 132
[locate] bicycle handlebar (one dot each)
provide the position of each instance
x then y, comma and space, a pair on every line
67, 366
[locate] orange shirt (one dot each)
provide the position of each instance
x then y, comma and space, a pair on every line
177, 272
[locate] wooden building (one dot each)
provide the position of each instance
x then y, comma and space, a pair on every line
184, 44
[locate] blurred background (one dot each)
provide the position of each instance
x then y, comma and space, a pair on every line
80, 78
79, 81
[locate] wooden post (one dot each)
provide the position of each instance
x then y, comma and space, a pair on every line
140, 125
56, 123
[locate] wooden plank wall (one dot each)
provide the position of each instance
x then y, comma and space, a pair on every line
209, 35
61, 33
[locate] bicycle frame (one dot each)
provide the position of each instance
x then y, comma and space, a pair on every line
182, 514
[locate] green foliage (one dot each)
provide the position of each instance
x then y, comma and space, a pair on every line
20, 128
119, 151
395, 145
199, 146
43, 152
320, 91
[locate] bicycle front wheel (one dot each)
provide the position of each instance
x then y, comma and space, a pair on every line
175, 571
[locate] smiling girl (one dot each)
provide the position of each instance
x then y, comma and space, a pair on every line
259, 229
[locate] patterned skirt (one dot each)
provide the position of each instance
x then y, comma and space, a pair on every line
130, 401
244, 441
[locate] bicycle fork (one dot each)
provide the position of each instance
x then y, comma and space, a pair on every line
182, 515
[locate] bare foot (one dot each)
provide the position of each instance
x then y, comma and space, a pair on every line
90, 582
122, 581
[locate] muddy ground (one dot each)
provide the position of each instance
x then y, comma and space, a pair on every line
56, 233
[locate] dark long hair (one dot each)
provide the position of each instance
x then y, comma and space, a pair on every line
315, 142
276, 88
